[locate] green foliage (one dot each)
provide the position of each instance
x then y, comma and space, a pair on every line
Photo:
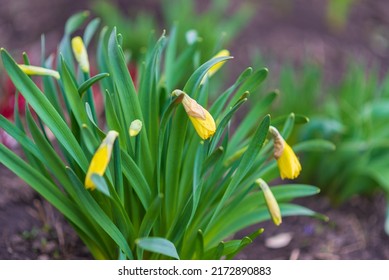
165, 193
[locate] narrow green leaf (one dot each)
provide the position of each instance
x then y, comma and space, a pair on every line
212, 159
158, 245
75, 21
152, 214
298, 119
90, 31
137, 179
101, 184
113, 120
199, 245
49, 87
90, 82
243, 244
288, 126
71, 92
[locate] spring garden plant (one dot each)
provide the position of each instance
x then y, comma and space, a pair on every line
152, 172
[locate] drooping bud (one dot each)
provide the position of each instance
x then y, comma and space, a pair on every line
201, 119
271, 202
287, 161
100, 159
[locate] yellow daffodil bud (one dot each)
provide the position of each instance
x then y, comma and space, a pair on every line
100, 159
217, 66
201, 119
135, 128
80, 53
36, 70
271, 202
287, 161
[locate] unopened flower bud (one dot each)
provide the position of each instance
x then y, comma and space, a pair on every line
271, 202
287, 161
100, 159
201, 119
40, 71
80, 53
135, 128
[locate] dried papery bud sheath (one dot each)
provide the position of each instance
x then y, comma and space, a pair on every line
80, 53
287, 161
100, 159
201, 119
271, 202
217, 66
39, 71
135, 128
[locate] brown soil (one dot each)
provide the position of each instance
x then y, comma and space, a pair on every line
31, 229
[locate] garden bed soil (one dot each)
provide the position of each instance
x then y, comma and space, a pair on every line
31, 229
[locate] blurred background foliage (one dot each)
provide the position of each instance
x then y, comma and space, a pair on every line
215, 26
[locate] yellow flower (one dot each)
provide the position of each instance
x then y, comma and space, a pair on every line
80, 53
287, 161
201, 119
271, 202
100, 159
217, 66
36, 70
135, 128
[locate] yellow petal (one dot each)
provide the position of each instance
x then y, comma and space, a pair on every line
271, 202
36, 70
217, 66
205, 128
288, 163
100, 159
80, 53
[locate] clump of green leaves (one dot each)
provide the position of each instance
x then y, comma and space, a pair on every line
130, 172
